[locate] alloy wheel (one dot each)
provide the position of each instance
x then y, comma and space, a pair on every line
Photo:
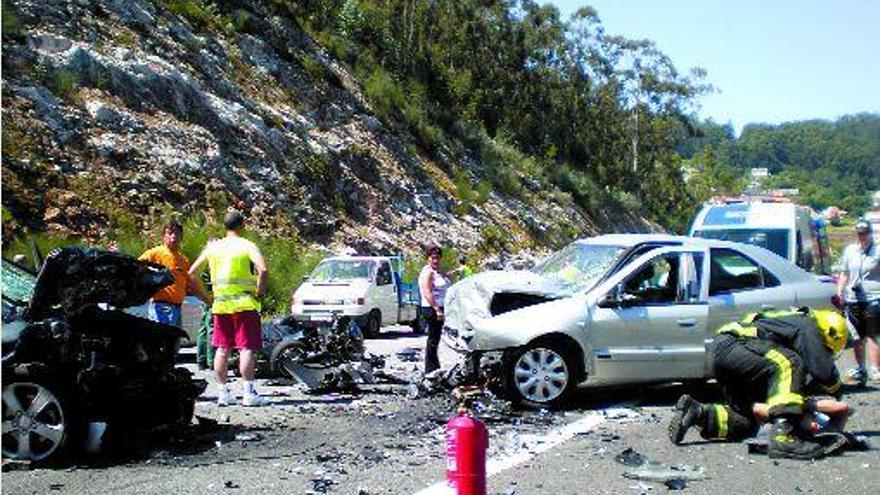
33, 422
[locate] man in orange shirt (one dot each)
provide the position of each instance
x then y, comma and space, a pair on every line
165, 304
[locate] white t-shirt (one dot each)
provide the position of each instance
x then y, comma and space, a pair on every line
862, 266
441, 283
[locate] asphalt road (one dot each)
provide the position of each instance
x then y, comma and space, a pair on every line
382, 442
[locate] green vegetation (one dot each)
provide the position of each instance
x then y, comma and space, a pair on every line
10, 21
288, 259
64, 84
532, 96
831, 163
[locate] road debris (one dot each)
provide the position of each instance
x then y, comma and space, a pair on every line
630, 457
323, 358
674, 476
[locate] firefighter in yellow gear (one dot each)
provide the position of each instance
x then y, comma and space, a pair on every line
774, 358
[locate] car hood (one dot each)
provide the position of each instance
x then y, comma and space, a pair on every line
332, 290
74, 278
471, 299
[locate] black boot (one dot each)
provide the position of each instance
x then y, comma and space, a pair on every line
688, 413
787, 443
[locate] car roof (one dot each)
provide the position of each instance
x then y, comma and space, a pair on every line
355, 258
746, 215
779, 266
629, 240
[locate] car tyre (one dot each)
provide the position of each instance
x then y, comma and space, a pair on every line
542, 374
372, 324
36, 422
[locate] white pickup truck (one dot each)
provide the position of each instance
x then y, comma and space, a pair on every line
368, 288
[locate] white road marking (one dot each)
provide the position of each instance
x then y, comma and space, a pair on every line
537, 444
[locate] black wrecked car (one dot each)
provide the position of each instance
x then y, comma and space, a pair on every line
72, 359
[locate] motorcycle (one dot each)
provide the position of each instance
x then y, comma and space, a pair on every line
72, 360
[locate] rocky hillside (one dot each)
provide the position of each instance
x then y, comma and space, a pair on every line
120, 111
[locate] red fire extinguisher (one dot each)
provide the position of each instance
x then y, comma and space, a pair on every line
467, 440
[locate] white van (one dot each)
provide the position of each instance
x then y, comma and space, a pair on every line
368, 288
775, 224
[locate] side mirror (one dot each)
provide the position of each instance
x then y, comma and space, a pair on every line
305, 278
611, 299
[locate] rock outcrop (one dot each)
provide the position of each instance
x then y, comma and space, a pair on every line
119, 109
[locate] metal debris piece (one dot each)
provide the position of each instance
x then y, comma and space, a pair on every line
248, 437
410, 355
231, 484
322, 484
630, 457
675, 484
656, 471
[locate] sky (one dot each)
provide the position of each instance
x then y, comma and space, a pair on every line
771, 61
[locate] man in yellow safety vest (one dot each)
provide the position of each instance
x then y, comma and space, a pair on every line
238, 276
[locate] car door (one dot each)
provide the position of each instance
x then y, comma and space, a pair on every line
386, 293
652, 323
739, 285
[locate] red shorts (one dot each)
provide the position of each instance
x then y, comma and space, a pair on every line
239, 330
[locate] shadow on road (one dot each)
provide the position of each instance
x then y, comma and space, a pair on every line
396, 334
642, 396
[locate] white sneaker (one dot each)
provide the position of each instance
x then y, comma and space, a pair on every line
874, 373
254, 400
225, 398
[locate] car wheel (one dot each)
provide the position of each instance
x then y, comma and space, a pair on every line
372, 324
284, 355
35, 422
541, 375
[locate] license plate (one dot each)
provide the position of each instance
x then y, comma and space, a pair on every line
320, 318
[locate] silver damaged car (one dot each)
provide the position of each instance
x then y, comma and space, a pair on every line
617, 309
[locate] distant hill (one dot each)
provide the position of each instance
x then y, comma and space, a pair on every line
832, 163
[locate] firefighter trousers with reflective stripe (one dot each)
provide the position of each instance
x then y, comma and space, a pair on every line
754, 370
723, 422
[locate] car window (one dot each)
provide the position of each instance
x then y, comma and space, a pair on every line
383, 275
18, 283
731, 271
342, 270
657, 282
775, 240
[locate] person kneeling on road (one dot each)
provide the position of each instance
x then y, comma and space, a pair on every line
763, 363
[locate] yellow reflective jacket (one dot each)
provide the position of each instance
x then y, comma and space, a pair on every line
233, 282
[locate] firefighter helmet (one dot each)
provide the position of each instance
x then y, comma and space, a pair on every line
832, 327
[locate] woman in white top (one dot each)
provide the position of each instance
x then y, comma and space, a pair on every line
432, 285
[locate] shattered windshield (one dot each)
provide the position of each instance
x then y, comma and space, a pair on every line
18, 286
18, 283
342, 270
579, 266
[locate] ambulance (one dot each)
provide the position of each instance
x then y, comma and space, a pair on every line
774, 223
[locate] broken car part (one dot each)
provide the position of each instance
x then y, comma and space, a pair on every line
71, 358
325, 357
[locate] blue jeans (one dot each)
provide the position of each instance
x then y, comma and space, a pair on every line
164, 312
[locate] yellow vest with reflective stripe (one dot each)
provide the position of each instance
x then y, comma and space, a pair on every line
233, 284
